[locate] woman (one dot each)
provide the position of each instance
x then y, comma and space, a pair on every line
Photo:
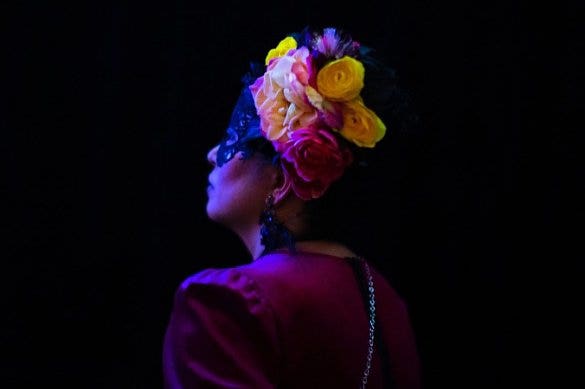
308, 310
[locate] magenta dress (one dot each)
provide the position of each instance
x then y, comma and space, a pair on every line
286, 321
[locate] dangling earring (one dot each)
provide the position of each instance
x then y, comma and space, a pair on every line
273, 233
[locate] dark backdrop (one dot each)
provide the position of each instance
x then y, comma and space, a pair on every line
110, 108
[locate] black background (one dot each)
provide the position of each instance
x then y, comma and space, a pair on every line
111, 107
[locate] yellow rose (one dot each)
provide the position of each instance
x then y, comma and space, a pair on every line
361, 125
341, 80
283, 47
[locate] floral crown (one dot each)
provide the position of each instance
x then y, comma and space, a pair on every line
307, 102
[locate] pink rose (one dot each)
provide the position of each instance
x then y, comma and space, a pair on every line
312, 159
280, 95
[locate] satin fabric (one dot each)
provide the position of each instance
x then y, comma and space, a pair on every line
285, 321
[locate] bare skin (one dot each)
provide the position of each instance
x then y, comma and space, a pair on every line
237, 194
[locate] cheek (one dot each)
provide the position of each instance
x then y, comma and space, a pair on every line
236, 205
239, 193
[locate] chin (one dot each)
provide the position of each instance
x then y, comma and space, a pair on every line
214, 213
210, 211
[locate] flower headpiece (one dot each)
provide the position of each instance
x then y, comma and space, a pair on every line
307, 102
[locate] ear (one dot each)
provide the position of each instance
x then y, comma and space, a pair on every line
282, 188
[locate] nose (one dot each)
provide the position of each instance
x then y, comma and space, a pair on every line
212, 155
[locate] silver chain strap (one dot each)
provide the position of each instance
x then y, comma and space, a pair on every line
372, 323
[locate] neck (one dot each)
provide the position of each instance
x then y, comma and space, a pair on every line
285, 223
332, 248
252, 240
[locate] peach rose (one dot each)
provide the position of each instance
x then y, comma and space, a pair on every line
271, 106
280, 95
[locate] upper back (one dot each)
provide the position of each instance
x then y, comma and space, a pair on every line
323, 322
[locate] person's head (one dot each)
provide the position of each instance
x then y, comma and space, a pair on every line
302, 141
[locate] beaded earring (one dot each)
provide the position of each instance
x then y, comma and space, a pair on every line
273, 232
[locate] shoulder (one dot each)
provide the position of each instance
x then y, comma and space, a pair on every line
385, 289
219, 285
272, 280
220, 330
228, 277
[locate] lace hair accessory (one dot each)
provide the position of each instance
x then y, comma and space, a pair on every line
243, 131
306, 101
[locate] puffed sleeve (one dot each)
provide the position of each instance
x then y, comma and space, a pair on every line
221, 334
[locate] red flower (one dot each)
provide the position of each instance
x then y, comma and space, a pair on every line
312, 159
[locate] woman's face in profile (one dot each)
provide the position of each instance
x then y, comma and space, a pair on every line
237, 190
